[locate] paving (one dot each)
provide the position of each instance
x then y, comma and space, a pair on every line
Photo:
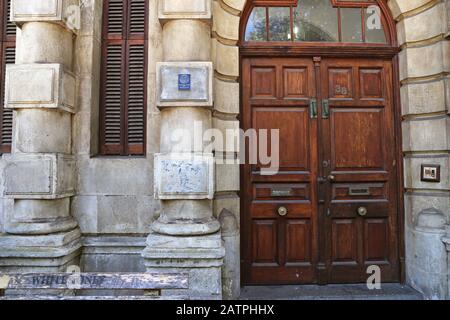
388, 291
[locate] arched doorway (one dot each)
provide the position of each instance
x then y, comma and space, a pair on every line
323, 72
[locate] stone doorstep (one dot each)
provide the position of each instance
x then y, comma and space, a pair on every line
388, 291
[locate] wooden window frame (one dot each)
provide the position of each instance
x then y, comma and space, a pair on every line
125, 40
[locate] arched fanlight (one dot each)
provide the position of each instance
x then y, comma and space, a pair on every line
318, 21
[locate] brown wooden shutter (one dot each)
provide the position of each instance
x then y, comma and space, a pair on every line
123, 104
8, 56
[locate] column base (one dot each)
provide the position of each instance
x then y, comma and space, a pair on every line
47, 226
199, 256
186, 227
39, 253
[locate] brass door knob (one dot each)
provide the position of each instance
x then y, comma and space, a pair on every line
282, 211
331, 178
362, 211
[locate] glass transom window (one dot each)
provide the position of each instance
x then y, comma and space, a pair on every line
318, 21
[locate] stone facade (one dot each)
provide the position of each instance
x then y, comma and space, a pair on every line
56, 188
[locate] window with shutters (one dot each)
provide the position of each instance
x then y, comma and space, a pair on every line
8, 56
123, 83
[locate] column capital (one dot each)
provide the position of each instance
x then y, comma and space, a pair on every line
63, 12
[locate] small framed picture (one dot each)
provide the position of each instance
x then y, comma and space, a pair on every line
430, 173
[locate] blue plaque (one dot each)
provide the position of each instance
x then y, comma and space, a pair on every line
184, 82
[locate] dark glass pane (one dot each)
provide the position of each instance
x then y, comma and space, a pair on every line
373, 25
279, 24
256, 26
351, 24
316, 20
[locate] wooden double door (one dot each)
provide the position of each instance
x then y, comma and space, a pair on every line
330, 211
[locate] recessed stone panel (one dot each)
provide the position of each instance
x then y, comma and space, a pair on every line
40, 86
39, 176
185, 9
185, 84
184, 176
58, 11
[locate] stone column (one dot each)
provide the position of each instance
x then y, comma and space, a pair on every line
186, 236
40, 172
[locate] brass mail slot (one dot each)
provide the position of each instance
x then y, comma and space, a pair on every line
359, 191
287, 192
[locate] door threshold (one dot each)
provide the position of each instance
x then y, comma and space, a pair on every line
388, 291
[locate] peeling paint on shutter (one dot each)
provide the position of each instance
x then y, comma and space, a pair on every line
124, 77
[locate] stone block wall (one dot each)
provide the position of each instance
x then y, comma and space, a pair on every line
424, 75
114, 205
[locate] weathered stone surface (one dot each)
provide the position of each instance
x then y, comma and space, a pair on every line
40, 210
200, 93
447, 5
426, 134
436, 55
45, 43
426, 262
231, 275
52, 240
57, 11
226, 96
413, 168
177, 44
424, 26
227, 177
42, 131
399, 7
201, 256
184, 176
420, 98
39, 176
40, 86
186, 9
236, 4
227, 60
226, 25
115, 176
182, 129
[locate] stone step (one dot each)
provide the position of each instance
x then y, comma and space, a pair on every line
388, 291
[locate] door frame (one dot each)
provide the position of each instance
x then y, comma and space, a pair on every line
333, 50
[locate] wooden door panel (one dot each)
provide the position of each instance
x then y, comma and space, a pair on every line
298, 242
376, 232
344, 242
293, 126
340, 83
265, 233
295, 83
371, 83
359, 142
264, 84
357, 137
281, 249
